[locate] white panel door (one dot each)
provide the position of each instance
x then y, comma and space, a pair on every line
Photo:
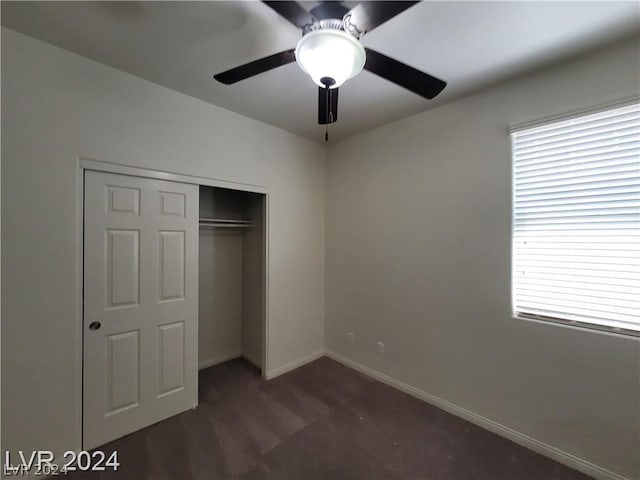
140, 303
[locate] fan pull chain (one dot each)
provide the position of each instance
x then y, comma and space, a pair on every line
326, 125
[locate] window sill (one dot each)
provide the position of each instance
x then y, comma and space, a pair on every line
583, 326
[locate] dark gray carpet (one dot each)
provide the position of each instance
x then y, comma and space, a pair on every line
322, 421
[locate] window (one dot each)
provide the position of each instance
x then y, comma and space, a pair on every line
576, 220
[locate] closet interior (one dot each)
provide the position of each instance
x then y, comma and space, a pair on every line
231, 277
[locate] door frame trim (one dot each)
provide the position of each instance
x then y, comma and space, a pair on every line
83, 164
110, 167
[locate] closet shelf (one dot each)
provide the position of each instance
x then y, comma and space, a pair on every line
225, 223
225, 220
222, 225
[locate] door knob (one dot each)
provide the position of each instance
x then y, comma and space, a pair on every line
95, 325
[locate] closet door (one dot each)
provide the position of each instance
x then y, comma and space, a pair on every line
140, 303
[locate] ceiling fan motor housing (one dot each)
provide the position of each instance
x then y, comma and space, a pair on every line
326, 24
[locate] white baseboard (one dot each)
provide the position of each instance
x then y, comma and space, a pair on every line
251, 359
537, 446
274, 372
211, 361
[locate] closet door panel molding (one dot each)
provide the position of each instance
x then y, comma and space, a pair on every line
172, 265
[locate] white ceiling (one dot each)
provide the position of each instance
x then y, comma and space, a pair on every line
182, 44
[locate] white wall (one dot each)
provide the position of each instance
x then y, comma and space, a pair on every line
219, 295
57, 106
253, 283
418, 256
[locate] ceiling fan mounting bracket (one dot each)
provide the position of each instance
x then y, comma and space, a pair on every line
329, 9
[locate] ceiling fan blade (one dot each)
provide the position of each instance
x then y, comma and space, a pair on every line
292, 11
327, 107
401, 74
366, 16
256, 67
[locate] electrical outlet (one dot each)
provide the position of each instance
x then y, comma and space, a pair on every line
350, 337
380, 347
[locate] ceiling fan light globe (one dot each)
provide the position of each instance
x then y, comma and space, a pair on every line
330, 53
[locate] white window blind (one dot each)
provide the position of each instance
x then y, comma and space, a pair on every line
576, 220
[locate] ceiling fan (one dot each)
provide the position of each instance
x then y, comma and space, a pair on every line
330, 51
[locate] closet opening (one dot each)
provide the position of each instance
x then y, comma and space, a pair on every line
231, 276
